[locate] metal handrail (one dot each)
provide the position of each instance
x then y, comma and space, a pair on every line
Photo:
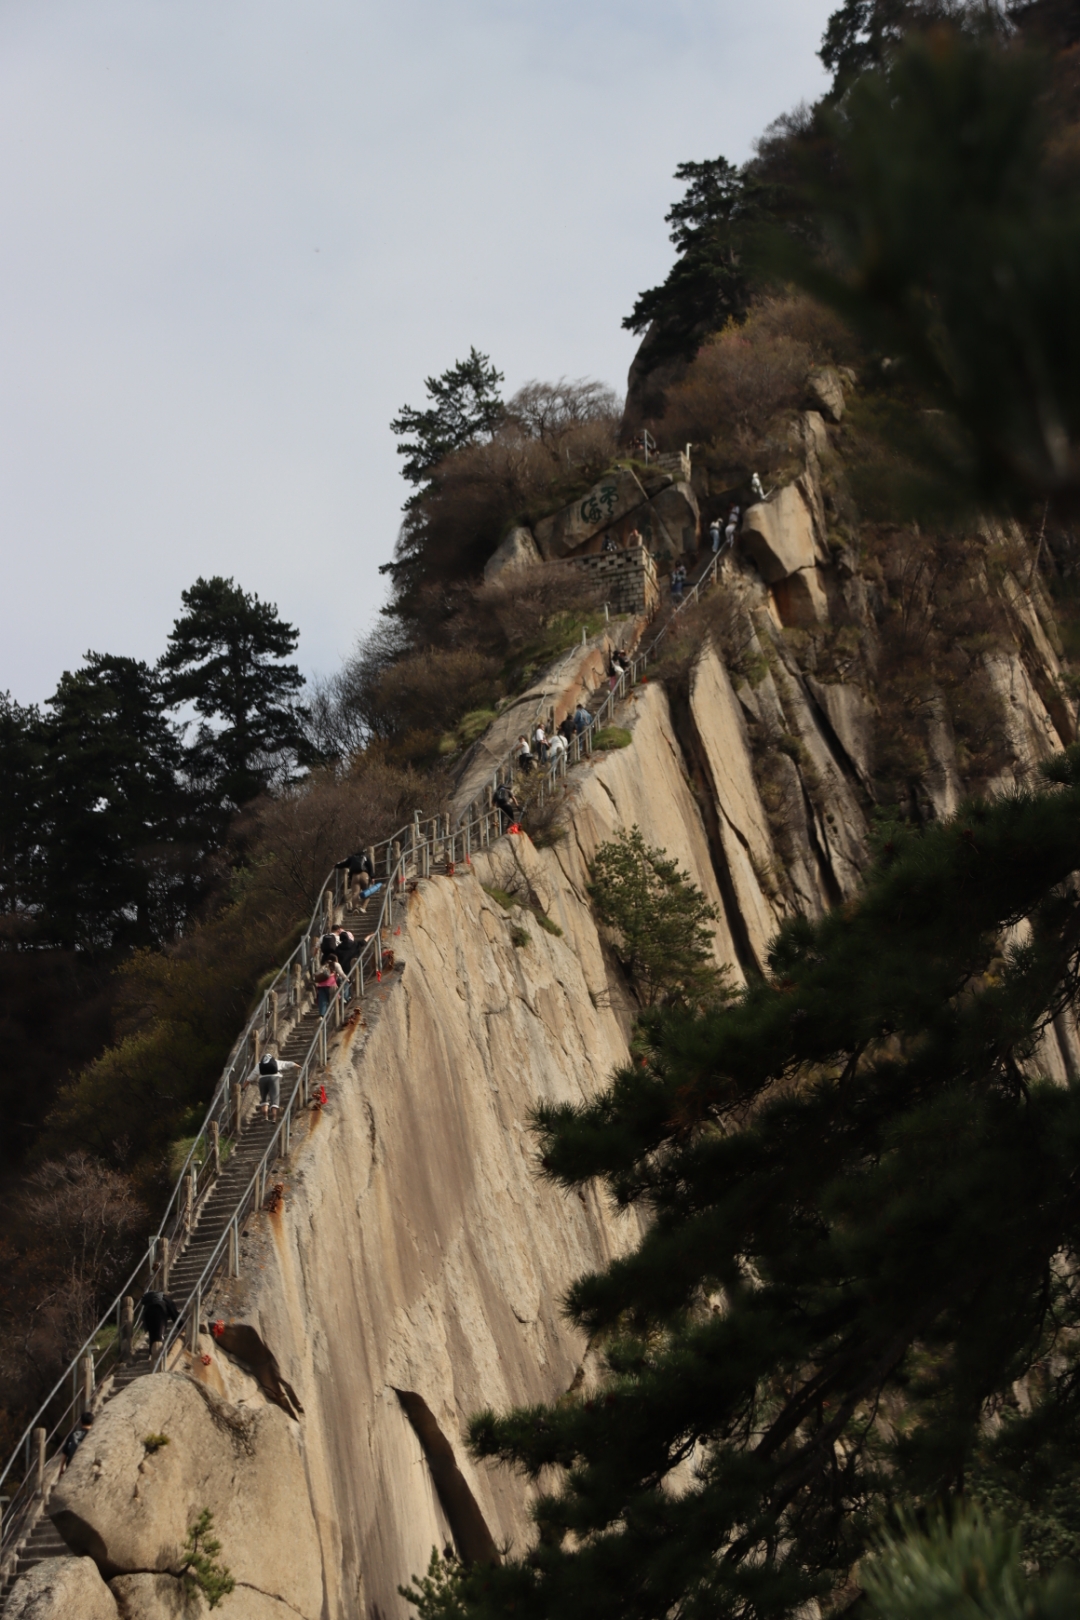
632, 677
411, 844
412, 847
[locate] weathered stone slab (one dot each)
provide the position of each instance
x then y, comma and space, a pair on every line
851, 716
616, 495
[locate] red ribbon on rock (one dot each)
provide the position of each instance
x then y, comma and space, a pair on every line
218, 1328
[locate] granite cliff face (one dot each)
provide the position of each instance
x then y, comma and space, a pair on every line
414, 1270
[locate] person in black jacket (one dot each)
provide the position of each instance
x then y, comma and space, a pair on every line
76, 1438
158, 1310
361, 872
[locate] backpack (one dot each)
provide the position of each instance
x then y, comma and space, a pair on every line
268, 1065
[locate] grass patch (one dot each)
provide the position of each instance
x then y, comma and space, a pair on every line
612, 737
502, 897
519, 937
547, 925
154, 1442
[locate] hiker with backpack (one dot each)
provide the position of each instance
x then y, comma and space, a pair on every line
507, 805
361, 873
158, 1311
76, 1438
327, 979
268, 1071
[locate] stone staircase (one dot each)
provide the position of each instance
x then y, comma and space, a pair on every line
213, 1218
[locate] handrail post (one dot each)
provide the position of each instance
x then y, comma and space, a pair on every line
234, 1110
189, 1202
193, 1323
274, 1016
215, 1147
234, 1248
329, 899
164, 1259
256, 1045
87, 1369
127, 1328
287, 1133
38, 1453
397, 859
297, 975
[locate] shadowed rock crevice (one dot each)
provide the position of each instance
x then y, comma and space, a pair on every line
472, 1537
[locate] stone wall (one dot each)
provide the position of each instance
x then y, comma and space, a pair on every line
628, 578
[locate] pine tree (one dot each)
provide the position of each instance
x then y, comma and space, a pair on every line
113, 859
953, 226
465, 402
225, 659
22, 750
658, 919
864, 1229
709, 283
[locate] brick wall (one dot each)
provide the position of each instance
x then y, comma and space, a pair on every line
628, 578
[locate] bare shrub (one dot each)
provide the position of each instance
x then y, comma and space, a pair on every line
554, 438
738, 384
73, 1240
514, 610
300, 835
432, 688
797, 316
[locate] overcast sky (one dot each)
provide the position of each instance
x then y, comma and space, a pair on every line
236, 236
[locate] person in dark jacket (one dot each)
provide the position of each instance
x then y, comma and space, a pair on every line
361, 872
76, 1438
507, 804
158, 1310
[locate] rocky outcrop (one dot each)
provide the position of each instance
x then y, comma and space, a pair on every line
518, 551
566, 531
128, 1500
61, 1589
678, 517
825, 388
780, 538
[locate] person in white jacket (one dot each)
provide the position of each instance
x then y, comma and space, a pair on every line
268, 1071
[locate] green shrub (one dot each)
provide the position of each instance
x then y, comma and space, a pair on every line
155, 1442
502, 897
519, 937
201, 1571
612, 737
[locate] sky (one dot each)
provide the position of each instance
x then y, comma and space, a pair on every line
236, 236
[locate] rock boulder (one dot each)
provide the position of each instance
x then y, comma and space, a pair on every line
162, 1597
517, 551
130, 1506
677, 514
778, 536
612, 498
826, 391
61, 1589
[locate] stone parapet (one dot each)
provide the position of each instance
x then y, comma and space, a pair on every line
628, 577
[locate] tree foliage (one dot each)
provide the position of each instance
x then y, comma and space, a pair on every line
709, 283
202, 1570
658, 918
954, 232
465, 402
225, 658
966, 1568
863, 1231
